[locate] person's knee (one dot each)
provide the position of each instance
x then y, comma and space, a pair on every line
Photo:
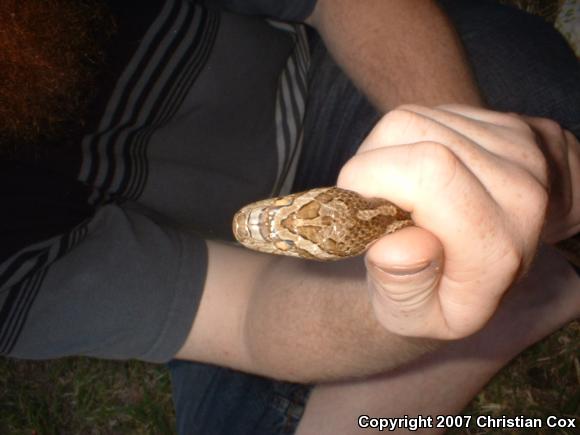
521, 62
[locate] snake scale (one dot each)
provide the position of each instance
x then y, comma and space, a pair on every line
328, 223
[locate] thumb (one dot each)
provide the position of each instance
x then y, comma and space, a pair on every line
404, 270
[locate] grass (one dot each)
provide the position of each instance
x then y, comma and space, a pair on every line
86, 396
542, 381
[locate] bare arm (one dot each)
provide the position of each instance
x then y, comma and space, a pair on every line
397, 51
300, 321
448, 378
306, 321
291, 319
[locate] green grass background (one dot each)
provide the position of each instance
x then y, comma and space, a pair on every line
87, 396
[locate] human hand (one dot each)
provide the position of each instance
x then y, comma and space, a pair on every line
476, 184
562, 151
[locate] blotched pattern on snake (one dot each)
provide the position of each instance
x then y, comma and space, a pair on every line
327, 223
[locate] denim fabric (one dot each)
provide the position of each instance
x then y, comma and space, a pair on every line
211, 400
521, 64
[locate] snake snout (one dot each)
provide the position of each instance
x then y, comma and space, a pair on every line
240, 226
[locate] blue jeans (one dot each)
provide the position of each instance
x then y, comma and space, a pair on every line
212, 400
521, 64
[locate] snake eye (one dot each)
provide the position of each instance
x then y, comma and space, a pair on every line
283, 201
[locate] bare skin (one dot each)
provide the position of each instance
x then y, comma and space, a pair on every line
241, 341
486, 155
425, 66
306, 322
546, 300
293, 320
442, 383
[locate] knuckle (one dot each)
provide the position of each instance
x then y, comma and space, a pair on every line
397, 124
409, 107
525, 129
513, 115
348, 171
532, 158
569, 137
437, 165
539, 198
451, 107
550, 127
512, 258
402, 115
519, 124
514, 118
534, 207
538, 164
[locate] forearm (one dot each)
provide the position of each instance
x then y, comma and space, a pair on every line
311, 321
397, 51
449, 377
290, 319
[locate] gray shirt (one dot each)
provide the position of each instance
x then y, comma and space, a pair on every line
204, 115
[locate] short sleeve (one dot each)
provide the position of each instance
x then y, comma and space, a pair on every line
285, 10
127, 287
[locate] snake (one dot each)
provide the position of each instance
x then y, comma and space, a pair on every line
329, 224
326, 223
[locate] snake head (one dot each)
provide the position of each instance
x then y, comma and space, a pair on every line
324, 224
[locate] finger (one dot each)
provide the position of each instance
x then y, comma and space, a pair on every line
574, 167
509, 187
506, 135
509, 120
476, 143
403, 126
517, 183
430, 181
403, 272
554, 145
574, 164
